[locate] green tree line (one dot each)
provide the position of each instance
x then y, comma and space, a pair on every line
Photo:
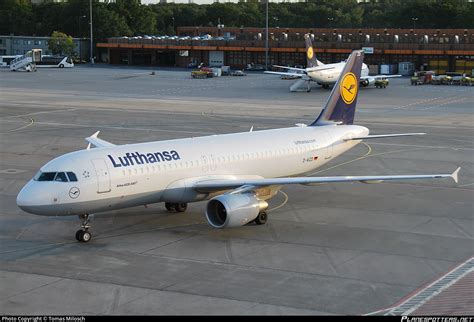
130, 17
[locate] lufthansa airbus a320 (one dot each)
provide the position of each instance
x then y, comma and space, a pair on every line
237, 173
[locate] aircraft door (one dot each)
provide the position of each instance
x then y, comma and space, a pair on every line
103, 175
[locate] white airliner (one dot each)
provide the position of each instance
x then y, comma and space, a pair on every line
237, 173
323, 74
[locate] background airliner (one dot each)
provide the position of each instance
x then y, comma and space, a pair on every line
323, 74
238, 173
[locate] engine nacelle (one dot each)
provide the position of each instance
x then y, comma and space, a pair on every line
367, 82
233, 210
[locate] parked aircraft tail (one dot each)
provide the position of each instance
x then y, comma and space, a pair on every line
311, 60
341, 104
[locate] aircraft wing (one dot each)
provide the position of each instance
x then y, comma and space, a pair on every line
378, 136
379, 76
299, 75
98, 143
250, 184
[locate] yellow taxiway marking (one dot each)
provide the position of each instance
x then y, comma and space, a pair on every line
31, 122
283, 203
369, 150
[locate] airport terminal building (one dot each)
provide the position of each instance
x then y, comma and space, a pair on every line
441, 50
20, 45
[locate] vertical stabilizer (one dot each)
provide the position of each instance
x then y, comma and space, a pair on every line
311, 60
341, 105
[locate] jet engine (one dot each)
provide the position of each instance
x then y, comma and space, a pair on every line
233, 210
367, 82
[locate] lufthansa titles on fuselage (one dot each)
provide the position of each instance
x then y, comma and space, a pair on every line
137, 158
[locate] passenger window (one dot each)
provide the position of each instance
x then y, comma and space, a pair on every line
72, 176
61, 177
47, 176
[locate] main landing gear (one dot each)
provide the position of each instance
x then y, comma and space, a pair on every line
261, 218
178, 207
83, 235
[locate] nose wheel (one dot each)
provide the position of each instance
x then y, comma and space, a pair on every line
83, 235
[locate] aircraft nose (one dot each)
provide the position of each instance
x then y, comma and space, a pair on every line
31, 200
24, 200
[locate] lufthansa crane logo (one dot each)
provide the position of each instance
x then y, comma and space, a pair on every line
349, 88
310, 53
74, 192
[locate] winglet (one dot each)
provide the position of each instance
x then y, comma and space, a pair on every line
95, 135
454, 175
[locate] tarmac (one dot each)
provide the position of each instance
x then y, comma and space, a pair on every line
328, 249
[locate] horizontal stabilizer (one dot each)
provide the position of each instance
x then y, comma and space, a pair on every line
98, 143
290, 68
309, 69
382, 136
285, 74
318, 68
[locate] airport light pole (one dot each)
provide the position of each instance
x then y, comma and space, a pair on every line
92, 42
80, 33
414, 21
266, 34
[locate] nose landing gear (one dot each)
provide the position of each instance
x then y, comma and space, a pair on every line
83, 235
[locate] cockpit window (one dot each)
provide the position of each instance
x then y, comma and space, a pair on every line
61, 177
72, 176
46, 176
55, 176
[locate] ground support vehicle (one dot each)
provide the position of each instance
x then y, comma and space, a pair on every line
467, 81
381, 83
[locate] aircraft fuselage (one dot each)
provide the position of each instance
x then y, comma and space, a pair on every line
164, 171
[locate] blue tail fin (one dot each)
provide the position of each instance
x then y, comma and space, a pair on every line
311, 60
341, 105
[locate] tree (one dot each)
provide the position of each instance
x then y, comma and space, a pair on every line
61, 44
16, 17
108, 23
140, 18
